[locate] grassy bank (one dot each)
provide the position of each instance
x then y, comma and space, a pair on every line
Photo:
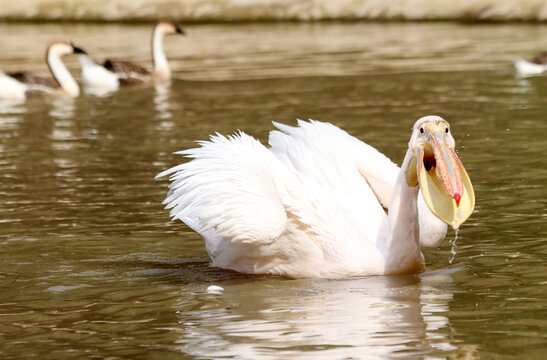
273, 10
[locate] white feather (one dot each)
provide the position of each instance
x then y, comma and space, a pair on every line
229, 187
96, 78
527, 68
10, 88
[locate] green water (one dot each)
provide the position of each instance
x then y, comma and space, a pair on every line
92, 267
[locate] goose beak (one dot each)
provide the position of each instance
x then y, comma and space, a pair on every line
179, 30
78, 50
445, 185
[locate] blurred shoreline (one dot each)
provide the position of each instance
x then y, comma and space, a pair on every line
214, 11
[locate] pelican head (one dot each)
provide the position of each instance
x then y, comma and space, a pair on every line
435, 166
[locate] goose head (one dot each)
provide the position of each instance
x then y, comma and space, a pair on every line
61, 48
438, 171
168, 27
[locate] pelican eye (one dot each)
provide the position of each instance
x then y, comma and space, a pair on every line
421, 130
446, 130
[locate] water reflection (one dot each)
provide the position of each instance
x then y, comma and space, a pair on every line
8, 123
62, 108
161, 101
376, 316
99, 91
11, 106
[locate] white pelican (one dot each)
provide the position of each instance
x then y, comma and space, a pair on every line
536, 66
20, 85
311, 205
112, 74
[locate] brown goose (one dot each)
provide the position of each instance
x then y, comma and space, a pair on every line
115, 73
536, 66
20, 85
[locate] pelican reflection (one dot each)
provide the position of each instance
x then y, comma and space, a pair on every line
307, 319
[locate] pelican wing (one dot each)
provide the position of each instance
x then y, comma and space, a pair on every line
229, 191
340, 201
329, 141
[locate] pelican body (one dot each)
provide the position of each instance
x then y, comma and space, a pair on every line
112, 74
313, 204
21, 85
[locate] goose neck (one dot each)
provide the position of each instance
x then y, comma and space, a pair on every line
159, 60
61, 74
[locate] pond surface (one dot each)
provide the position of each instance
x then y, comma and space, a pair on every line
91, 266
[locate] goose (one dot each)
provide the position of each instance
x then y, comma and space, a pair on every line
312, 204
112, 74
22, 85
534, 67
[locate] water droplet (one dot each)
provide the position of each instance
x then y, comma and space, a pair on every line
215, 289
453, 250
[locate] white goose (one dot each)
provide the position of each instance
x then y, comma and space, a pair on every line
536, 66
312, 204
21, 85
112, 74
